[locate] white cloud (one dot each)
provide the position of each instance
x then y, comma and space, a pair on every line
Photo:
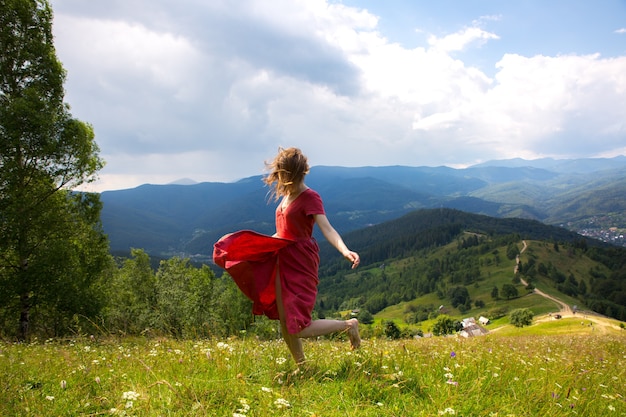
460, 40
208, 90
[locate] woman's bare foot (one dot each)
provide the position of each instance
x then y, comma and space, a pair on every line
353, 333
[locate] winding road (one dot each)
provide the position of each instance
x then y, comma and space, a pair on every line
565, 310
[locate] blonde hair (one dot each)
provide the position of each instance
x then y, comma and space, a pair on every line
287, 171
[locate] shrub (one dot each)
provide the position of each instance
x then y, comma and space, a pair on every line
521, 317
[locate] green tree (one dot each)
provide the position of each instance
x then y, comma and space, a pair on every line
458, 296
44, 154
365, 317
521, 317
444, 325
392, 331
183, 295
495, 293
231, 311
512, 251
132, 296
509, 291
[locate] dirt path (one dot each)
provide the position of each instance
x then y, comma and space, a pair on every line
564, 309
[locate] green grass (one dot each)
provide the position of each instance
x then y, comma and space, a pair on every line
510, 372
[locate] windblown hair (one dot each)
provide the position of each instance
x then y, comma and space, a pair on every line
286, 171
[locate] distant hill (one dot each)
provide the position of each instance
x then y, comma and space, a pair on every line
187, 219
437, 254
584, 165
431, 228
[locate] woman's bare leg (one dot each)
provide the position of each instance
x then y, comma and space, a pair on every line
316, 328
293, 342
324, 327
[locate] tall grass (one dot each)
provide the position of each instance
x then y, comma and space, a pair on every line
494, 375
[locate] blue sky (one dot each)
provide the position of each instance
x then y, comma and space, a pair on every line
208, 90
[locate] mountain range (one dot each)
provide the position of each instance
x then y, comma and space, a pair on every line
584, 195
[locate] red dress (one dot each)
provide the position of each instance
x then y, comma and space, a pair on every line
251, 260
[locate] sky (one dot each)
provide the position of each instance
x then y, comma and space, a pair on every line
209, 89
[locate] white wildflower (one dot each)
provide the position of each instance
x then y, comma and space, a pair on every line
245, 407
282, 403
130, 395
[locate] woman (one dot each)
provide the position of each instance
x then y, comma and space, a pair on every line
279, 273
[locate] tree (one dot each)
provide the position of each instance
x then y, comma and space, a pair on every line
509, 291
44, 154
132, 295
444, 325
365, 317
521, 317
495, 294
458, 296
512, 251
392, 331
183, 295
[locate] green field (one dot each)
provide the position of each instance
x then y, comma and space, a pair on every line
552, 368
572, 366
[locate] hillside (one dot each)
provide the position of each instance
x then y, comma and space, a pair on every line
165, 220
442, 257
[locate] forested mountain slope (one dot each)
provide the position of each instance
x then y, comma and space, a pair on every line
460, 257
187, 219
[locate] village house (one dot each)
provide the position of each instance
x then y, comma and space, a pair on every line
471, 328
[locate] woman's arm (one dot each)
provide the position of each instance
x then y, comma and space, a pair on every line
335, 239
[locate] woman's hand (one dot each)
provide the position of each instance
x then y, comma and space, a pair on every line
353, 257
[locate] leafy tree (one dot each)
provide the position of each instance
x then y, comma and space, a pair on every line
495, 293
183, 292
365, 316
231, 311
444, 325
521, 317
48, 234
132, 296
392, 331
509, 291
512, 251
458, 296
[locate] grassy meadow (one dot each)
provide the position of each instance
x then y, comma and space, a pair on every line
552, 368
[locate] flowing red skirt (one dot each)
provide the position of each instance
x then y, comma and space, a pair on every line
253, 260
